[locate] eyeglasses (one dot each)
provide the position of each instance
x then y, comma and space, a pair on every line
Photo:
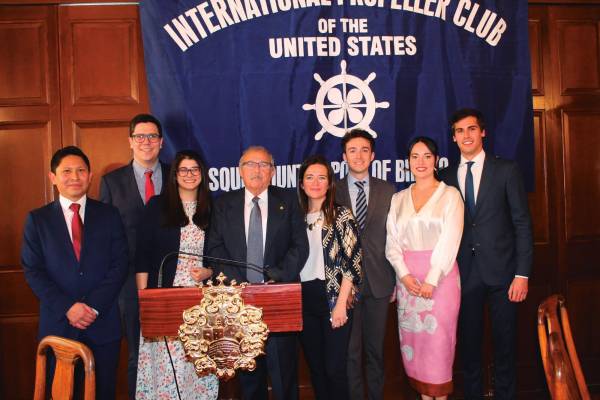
259, 164
141, 137
195, 171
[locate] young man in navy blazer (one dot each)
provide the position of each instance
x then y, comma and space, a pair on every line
495, 254
74, 256
129, 188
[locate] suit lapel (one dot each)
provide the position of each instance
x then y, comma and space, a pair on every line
236, 217
91, 217
373, 199
132, 183
58, 220
165, 176
487, 179
276, 213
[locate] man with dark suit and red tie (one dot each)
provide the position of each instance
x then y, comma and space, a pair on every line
74, 256
129, 188
262, 225
495, 253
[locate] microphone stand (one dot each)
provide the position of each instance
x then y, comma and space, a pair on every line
244, 264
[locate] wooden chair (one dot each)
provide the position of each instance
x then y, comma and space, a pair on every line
66, 352
563, 372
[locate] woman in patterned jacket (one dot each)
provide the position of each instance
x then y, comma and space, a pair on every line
331, 272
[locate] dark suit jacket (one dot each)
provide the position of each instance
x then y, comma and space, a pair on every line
120, 189
500, 230
380, 274
286, 245
59, 280
154, 243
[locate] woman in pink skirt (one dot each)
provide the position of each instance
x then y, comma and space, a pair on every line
424, 229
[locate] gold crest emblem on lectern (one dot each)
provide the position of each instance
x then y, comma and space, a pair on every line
223, 334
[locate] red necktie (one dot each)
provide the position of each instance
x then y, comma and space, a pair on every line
76, 229
149, 186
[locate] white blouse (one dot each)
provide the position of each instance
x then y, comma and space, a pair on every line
437, 226
314, 268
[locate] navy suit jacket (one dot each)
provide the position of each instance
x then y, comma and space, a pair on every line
154, 243
497, 239
59, 280
286, 243
119, 188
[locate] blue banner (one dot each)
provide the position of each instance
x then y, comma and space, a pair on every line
294, 75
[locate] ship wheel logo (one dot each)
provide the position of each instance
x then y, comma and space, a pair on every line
344, 102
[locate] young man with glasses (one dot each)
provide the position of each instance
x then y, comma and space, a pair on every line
129, 188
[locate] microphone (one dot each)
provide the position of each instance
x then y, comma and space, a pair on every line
244, 264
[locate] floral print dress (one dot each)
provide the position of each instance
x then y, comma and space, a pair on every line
155, 373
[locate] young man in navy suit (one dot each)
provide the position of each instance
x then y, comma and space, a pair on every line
495, 253
262, 225
129, 188
74, 256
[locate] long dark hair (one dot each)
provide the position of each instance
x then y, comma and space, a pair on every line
431, 146
328, 206
173, 214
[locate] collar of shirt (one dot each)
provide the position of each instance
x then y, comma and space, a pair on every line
66, 203
478, 159
140, 170
352, 180
249, 196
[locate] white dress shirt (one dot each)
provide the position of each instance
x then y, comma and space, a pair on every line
476, 170
263, 203
68, 213
437, 226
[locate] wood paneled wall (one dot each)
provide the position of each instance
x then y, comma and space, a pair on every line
75, 75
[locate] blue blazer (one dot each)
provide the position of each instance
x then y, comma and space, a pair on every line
500, 229
154, 243
119, 189
286, 243
59, 280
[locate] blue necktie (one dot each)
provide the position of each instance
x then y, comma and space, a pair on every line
254, 255
361, 205
470, 189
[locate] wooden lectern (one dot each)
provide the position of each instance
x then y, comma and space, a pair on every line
161, 309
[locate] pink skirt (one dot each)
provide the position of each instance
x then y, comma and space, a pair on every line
427, 328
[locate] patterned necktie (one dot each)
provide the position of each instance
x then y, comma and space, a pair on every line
149, 187
470, 189
254, 255
361, 205
76, 229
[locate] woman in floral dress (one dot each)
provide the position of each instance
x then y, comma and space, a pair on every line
175, 220
424, 229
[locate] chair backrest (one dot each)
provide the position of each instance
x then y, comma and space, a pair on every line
66, 352
561, 365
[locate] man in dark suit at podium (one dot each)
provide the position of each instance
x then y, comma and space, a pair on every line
74, 256
369, 199
495, 254
129, 188
262, 225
